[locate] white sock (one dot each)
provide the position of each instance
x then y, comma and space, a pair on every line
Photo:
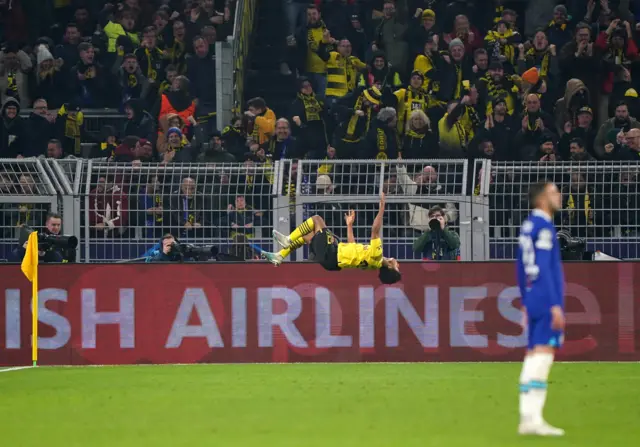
537, 387
525, 396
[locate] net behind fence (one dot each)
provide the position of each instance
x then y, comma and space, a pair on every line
120, 211
600, 204
127, 209
330, 188
27, 194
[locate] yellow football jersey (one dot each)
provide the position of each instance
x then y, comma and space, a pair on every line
353, 255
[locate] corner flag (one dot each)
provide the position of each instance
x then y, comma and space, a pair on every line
30, 269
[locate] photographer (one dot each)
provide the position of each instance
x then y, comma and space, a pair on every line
167, 251
438, 243
52, 246
171, 250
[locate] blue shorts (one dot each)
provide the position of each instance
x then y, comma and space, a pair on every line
540, 333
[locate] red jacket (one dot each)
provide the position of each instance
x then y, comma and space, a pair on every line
108, 207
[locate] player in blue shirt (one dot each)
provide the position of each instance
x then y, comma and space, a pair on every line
541, 282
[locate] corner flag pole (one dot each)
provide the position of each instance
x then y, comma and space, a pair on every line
34, 318
29, 267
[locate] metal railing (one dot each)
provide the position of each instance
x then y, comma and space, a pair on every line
231, 63
601, 203
119, 211
27, 194
96, 119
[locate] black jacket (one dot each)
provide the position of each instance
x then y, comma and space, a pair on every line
312, 135
92, 91
142, 125
13, 132
380, 142
39, 132
202, 76
53, 88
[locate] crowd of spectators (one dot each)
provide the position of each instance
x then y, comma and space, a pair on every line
539, 81
152, 60
445, 79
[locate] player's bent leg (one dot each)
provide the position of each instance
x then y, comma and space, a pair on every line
310, 226
281, 239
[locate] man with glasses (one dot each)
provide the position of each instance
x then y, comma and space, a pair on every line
631, 150
40, 129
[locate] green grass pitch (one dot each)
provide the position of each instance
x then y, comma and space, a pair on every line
423, 404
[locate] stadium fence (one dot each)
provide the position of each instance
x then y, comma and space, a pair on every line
120, 211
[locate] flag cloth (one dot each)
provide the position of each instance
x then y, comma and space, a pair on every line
30, 269
30, 261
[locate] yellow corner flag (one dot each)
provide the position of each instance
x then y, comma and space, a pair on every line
30, 270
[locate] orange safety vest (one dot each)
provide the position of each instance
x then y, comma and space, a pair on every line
166, 108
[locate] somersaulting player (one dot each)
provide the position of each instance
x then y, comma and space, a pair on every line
337, 256
541, 282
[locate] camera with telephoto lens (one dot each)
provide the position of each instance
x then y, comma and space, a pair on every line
573, 248
434, 224
47, 241
190, 251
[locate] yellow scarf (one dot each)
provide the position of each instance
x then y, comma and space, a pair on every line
152, 74
325, 168
176, 56
507, 50
312, 107
457, 93
132, 80
413, 134
532, 127
381, 143
12, 82
571, 205
353, 122
534, 55
164, 86
27, 214
501, 90
553, 23
73, 128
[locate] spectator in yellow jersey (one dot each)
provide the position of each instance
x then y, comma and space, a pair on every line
306, 44
412, 98
459, 125
342, 70
428, 64
496, 84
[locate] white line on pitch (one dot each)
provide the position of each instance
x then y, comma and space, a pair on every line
15, 368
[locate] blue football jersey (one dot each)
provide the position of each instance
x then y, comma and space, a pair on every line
540, 274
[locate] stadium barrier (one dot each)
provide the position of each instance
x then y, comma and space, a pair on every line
601, 203
231, 63
203, 313
28, 191
485, 202
95, 119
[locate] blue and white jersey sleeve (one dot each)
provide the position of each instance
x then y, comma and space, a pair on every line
539, 265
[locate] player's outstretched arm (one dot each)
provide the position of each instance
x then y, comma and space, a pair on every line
376, 229
349, 219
